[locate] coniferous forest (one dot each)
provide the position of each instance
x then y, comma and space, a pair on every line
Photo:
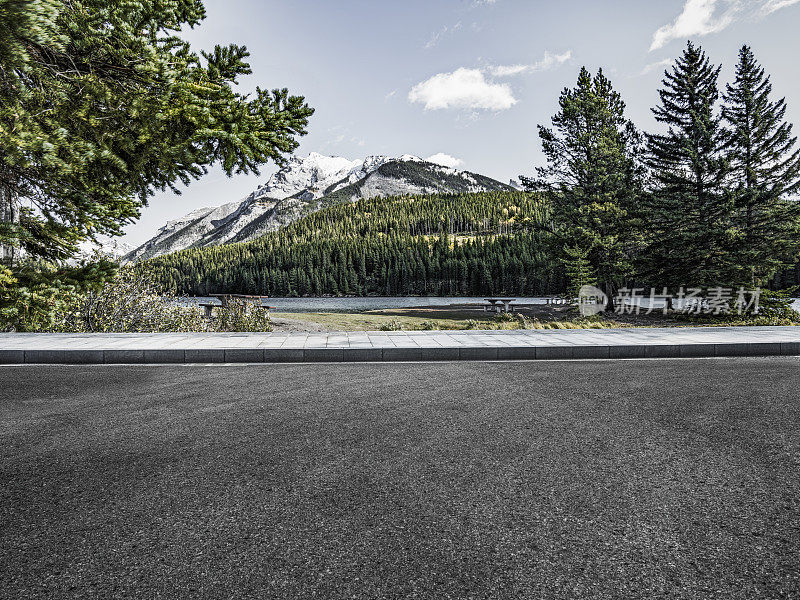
466, 244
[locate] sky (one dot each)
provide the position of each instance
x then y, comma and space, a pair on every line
467, 80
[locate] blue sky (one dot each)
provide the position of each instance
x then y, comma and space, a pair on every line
467, 78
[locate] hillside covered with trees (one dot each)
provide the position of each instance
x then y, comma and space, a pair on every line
463, 244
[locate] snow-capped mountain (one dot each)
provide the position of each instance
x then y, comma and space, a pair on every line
304, 185
111, 247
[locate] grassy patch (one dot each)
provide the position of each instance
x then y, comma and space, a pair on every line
429, 320
373, 321
466, 317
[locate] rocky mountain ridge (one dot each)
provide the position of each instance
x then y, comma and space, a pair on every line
304, 185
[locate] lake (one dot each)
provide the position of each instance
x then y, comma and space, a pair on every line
360, 304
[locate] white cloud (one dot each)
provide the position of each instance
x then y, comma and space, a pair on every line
508, 70
548, 61
656, 65
701, 17
467, 88
463, 88
698, 18
770, 6
437, 35
445, 160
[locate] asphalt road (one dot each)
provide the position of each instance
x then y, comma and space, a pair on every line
605, 479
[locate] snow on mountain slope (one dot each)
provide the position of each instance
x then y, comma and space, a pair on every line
313, 173
304, 185
111, 247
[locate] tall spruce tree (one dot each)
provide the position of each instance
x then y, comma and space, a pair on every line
765, 175
687, 215
592, 178
101, 103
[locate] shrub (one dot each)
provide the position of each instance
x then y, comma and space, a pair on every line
36, 295
774, 309
132, 303
777, 305
240, 315
430, 325
393, 325
504, 317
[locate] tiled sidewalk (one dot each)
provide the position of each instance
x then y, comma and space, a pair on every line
20, 348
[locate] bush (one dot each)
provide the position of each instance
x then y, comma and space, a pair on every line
240, 315
393, 325
774, 309
504, 317
37, 294
524, 322
777, 305
132, 303
430, 326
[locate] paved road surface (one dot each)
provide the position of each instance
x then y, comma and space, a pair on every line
607, 479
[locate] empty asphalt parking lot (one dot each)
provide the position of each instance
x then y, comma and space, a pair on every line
595, 479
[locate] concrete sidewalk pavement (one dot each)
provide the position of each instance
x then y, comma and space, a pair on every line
360, 346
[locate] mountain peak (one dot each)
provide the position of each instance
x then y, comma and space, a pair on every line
308, 183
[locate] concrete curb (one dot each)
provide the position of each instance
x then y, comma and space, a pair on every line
395, 354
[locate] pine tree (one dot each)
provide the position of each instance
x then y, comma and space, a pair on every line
578, 270
687, 214
765, 173
101, 104
593, 177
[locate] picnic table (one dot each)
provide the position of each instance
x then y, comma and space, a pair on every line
498, 304
226, 298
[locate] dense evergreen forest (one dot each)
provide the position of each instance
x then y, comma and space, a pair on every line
462, 244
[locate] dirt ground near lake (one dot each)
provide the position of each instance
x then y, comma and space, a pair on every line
455, 316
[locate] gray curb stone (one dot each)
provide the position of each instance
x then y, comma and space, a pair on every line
123, 357
662, 351
554, 352
402, 354
288, 355
204, 356
157, 357
591, 352
516, 353
395, 354
697, 350
12, 357
361, 354
482, 353
790, 348
323, 355
627, 351
247, 355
